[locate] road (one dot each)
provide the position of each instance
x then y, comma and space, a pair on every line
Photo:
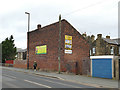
15, 79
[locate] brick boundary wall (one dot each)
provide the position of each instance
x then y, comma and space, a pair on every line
20, 64
53, 66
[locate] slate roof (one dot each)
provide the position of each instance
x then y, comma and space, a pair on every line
111, 41
18, 49
117, 40
21, 50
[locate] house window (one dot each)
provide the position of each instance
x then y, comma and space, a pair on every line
119, 49
112, 50
90, 52
21, 55
24, 56
16, 56
93, 50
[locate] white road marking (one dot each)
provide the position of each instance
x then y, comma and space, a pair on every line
61, 83
93, 85
47, 76
38, 84
57, 82
9, 76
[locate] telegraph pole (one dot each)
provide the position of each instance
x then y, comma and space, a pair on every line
59, 50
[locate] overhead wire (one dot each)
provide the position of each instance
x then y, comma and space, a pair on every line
94, 4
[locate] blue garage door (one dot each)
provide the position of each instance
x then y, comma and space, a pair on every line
102, 68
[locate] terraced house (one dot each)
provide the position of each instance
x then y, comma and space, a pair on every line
103, 46
105, 56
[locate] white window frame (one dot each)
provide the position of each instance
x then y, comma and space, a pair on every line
112, 50
90, 52
119, 49
94, 50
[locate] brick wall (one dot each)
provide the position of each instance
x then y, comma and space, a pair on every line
80, 46
49, 35
20, 63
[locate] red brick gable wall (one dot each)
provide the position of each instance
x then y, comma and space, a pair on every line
80, 47
49, 35
46, 36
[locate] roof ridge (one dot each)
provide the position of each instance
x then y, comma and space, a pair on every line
49, 25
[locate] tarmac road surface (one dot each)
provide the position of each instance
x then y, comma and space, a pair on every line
15, 79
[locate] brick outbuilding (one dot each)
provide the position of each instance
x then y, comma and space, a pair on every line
76, 60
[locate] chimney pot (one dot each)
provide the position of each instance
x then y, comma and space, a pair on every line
84, 34
92, 38
38, 26
108, 37
99, 35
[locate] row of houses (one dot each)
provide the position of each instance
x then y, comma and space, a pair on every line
75, 50
104, 54
103, 46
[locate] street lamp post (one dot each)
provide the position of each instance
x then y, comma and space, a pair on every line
28, 39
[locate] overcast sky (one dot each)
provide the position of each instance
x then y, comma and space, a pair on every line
90, 16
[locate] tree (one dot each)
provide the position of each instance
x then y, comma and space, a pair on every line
8, 49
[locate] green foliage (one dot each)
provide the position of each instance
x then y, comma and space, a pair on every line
8, 49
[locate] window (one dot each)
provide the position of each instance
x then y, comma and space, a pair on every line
119, 49
112, 50
24, 55
90, 52
21, 55
16, 55
93, 50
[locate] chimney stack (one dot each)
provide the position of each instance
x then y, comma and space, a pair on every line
38, 26
108, 37
92, 38
99, 36
84, 34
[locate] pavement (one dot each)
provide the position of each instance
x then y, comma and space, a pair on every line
91, 81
